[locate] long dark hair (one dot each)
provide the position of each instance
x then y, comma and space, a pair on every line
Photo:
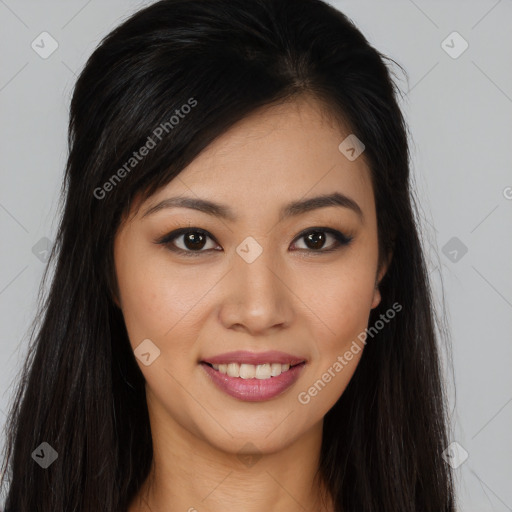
81, 390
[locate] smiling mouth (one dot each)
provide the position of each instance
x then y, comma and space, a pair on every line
249, 371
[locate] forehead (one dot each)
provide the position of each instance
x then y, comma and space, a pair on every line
277, 154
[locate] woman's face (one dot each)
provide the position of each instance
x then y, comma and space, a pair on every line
264, 277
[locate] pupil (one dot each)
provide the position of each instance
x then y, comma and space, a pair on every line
318, 239
191, 242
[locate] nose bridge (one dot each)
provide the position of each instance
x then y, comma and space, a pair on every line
256, 268
257, 294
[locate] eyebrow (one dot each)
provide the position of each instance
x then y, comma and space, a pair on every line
292, 209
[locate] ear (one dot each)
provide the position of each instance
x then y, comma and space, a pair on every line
113, 291
381, 273
116, 301
376, 297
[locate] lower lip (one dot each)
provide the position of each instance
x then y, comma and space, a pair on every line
254, 390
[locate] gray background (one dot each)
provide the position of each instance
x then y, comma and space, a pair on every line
459, 111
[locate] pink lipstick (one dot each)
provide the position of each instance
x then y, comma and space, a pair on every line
251, 376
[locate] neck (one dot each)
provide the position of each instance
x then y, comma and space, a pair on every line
189, 474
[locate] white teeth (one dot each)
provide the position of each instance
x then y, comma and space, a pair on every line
247, 371
263, 371
233, 370
275, 369
251, 371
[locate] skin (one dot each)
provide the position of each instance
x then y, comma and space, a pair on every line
302, 302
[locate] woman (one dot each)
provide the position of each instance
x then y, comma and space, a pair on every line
240, 314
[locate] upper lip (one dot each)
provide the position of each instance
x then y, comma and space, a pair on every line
255, 358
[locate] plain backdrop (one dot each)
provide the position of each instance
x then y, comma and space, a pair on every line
458, 103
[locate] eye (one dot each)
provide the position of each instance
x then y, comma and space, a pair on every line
315, 239
191, 241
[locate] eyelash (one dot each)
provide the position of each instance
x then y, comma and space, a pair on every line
341, 240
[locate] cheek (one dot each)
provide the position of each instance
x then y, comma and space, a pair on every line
164, 303
155, 296
338, 345
341, 298
158, 304
340, 302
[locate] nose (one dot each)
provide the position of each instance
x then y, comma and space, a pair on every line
257, 296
